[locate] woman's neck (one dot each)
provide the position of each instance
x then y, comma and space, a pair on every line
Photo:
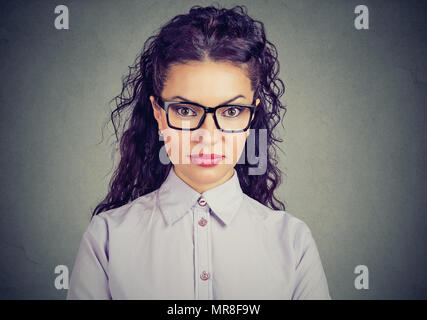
200, 188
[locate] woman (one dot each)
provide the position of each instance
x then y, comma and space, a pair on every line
206, 224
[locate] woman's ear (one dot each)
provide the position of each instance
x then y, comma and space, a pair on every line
257, 101
156, 110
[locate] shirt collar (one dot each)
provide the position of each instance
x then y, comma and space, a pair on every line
176, 198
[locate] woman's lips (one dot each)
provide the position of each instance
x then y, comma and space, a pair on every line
206, 160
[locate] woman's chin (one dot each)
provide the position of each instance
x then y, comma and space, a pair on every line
204, 173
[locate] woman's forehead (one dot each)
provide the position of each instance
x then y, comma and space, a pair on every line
207, 81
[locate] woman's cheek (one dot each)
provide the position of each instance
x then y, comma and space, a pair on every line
174, 145
234, 145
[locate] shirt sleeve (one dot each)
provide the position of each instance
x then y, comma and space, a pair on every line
311, 283
89, 278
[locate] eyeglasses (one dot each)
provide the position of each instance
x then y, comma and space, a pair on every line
190, 115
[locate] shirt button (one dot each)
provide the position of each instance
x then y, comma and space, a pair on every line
203, 222
202, 201
205, 275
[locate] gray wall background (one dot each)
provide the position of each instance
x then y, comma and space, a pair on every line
355, 133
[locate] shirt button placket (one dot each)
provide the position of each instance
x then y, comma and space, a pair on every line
204, 274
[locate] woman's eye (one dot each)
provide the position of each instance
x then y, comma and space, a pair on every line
185, 111
231, 112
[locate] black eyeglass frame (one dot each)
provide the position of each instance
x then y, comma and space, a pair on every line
165, 106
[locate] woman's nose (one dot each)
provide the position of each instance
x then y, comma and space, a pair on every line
208, 123
209, 132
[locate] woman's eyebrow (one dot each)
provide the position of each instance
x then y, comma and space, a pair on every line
225, 102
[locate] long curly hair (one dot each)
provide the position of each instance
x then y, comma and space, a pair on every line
221, 35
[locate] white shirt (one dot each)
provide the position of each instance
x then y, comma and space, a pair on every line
175, 243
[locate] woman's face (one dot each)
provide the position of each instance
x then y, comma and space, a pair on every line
210, 84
